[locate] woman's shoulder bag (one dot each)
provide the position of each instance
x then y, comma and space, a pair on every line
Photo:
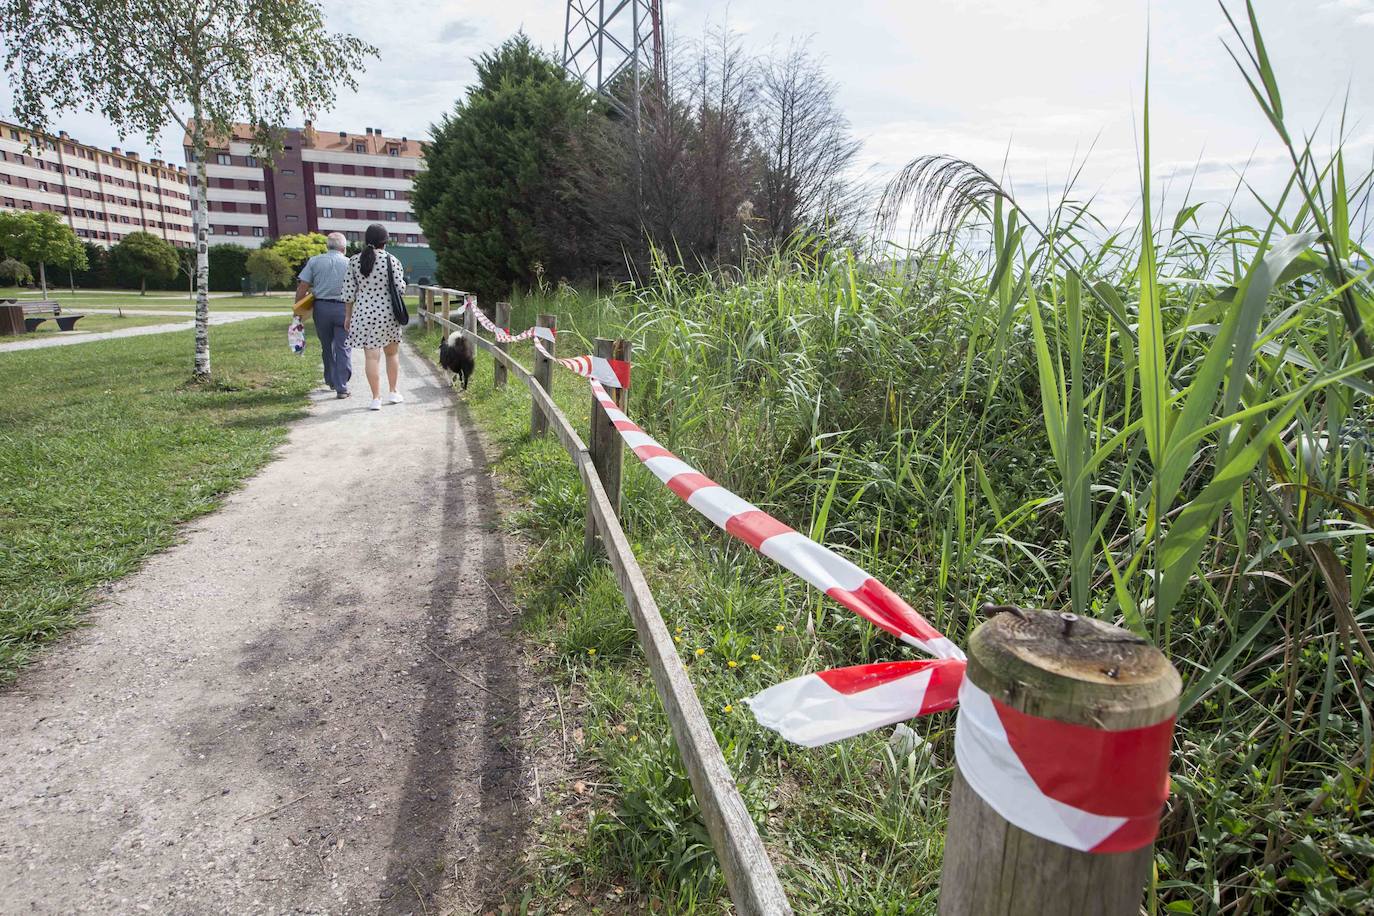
398, 302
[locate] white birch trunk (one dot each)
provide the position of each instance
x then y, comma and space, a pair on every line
202, 228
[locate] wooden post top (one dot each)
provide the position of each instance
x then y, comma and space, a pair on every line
1072, 669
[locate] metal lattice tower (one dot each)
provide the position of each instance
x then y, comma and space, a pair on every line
603, 39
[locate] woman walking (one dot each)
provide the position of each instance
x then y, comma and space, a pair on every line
369, 320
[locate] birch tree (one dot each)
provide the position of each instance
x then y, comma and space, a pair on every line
203, 65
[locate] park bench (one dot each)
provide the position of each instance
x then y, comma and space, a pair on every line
35, 313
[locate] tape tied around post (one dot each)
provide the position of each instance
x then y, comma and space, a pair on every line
1086, 788
612, 373
1093, 790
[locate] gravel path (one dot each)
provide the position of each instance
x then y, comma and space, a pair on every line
312, 704
38, 342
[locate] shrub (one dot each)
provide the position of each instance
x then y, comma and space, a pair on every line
268, 267
228, 267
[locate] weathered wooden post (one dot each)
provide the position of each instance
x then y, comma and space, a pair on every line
470, 317
443, 309
427, 300
543, 374
1084, 673
498, 372
604, 443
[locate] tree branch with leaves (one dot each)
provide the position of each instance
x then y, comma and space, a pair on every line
208, 68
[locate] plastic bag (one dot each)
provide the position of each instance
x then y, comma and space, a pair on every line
295, 335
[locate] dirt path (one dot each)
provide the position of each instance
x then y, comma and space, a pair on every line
312, 704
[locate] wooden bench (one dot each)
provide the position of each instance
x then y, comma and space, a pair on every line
35, 313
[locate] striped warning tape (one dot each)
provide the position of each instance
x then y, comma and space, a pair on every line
1084, 788
1088, 789
503, 335
614, 373
817, 565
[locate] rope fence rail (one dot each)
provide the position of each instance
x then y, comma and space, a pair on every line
1064, 727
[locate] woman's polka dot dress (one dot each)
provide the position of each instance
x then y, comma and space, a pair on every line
373, 325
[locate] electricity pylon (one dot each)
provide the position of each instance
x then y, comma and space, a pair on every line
605, 39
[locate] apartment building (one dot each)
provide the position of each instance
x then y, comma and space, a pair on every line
102, 194
321, 181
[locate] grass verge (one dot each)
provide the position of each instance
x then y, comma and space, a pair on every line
98, 323
105, 448
855, 828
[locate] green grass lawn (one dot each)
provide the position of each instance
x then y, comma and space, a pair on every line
105, 448
163, 300
105, 323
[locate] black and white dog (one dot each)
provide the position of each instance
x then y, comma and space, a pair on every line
455, 355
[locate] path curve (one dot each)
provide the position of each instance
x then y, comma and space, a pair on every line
311, 704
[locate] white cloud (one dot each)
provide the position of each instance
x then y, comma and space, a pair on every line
1037, 84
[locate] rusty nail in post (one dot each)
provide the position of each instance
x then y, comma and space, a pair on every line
992, 610
1069, 621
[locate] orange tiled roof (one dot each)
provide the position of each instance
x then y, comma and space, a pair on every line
337, 141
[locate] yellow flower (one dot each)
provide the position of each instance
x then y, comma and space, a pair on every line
677, 639
591, 651
755, 657
700, 653
634, 738
779, 628
732, 663
729, 708
678, 631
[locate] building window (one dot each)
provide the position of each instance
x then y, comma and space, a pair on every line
391, 215
231, 230
350, 192
224, 159
257, 231
412, 239
360, 147
324, 189
371, 193
389, 195
289, 195
394, 151
252, 162
327, 212
291, 218
288, 171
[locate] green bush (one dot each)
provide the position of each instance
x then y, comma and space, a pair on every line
228, 267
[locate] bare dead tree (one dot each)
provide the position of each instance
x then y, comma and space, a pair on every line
722, 149
806, 151
725, 144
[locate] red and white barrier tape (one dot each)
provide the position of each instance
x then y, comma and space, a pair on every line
1088, 789
820, 566
503, 335
614, 373
1085, 788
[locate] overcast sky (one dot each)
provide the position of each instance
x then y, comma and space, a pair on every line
1038, 83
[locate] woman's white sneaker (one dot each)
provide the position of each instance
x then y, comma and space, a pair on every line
375, 405
394, 398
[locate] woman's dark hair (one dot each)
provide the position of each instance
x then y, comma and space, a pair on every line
376, 239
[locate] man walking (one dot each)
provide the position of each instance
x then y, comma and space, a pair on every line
323, 275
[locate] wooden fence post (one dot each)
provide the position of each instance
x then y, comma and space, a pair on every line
543, 374
498, 372
427, 297
470, 318
444, 308
604, 444
1079, 671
